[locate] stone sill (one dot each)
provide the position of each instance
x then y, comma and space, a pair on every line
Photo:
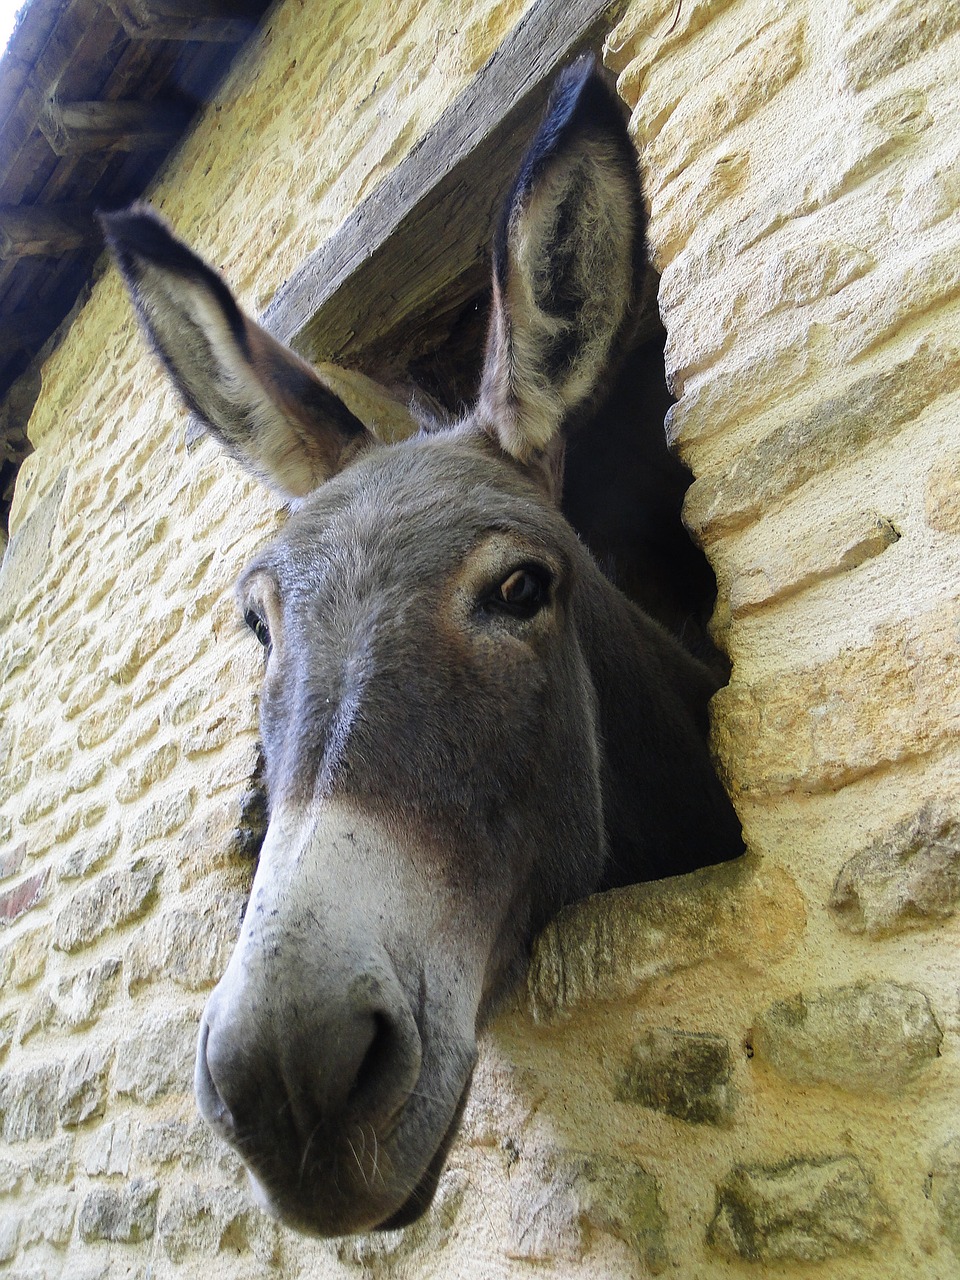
614, 945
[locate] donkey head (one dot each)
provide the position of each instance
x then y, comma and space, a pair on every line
446, 676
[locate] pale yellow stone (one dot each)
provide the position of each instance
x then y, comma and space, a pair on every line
942, 494
791, 564
894, 699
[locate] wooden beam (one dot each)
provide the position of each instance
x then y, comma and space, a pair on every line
28, 231
421, 237
220, 21
73, 128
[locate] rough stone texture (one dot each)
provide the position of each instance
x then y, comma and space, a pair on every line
50, 1221
684, 1074
868, 410
158, 1058
128, 1215
871, 706
188, 947
413, 1248
28, 1103
802, 1210
83, 1088
944, 1186
866, 1036
780, 570
613, 946
558, 1197
115, 899
942, 493
209, 1220
908, 878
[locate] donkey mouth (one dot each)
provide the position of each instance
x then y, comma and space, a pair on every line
420, 1200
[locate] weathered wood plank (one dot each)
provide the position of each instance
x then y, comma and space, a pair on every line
423, 233
73, 128
48, 230
226, 21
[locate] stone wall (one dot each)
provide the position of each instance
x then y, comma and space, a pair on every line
750, 1071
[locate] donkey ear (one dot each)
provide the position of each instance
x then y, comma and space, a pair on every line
264, 404
568, 266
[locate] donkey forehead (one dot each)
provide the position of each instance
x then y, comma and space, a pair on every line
412, 512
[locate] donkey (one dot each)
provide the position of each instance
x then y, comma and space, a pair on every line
465, 724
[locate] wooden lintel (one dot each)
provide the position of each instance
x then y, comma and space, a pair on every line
219, 21
72, 128
45, 230
421, 236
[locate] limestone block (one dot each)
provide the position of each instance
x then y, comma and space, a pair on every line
192, 1145
161, 818
681, 1073
908, 877
942, 494
214, 841
791, 564
209, 1220
109, 1149
158, 1059
23, 960
898, 293
137, 729
127, 1216
415, 1247
690, 199
91, 855
104, 720
54, 1162
189, 947
79, 998
83, 1088
502, 1099
11, 1176
115, 898
157, 765
8, 1026
868, 411
878, 1036
557, 1197
798, 1211
893, 36
896, 698
50, 1219
707, 112
28, 552
802, 273
9, 1235
944, 1184
149, 637
28, 1103
615, 944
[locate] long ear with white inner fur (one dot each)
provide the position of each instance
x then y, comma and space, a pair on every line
264, 404
568, 266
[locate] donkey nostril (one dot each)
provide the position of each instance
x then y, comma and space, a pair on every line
376, 1058
387, 1070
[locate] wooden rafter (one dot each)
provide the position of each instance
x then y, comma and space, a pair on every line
72, 128
45, 230
215, 20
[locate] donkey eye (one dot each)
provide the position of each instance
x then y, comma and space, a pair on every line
522, 593
258, 627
